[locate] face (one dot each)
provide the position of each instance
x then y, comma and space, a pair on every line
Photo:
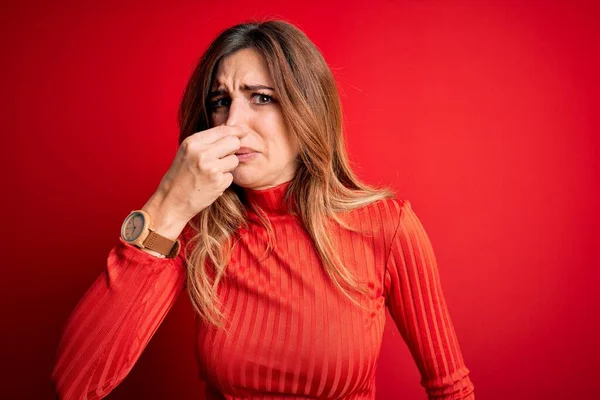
245, 97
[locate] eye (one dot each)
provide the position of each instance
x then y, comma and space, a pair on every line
263, 98
217, 103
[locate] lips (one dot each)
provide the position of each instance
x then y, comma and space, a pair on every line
243, 157
244, 150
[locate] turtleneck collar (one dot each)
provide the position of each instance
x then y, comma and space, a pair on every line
271, 200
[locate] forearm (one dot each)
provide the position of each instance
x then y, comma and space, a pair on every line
113, 322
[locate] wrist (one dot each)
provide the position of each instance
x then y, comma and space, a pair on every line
164, 221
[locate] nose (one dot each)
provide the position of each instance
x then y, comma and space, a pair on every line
238, 112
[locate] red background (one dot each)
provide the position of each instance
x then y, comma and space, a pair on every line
483, 114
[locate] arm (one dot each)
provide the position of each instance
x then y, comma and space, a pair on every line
114, 321
416, 302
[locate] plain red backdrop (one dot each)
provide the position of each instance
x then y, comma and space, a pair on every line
483, 114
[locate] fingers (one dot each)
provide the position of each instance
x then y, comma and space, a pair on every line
207, 153
219, 171
216, 142
224, 147
227, 180
217, 133
228, 163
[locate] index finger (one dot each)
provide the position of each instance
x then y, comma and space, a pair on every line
216, 133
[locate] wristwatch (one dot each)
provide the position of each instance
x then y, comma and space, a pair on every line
137, 229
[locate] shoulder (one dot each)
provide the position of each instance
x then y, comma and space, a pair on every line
380, 217
390, 210
392, 206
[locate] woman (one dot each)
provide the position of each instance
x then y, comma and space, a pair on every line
289, 260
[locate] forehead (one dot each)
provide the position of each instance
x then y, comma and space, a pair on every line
245, 66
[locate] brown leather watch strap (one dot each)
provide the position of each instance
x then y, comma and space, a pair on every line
175, 250
161, 244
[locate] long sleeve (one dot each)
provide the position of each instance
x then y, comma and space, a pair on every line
114, 321
416, 302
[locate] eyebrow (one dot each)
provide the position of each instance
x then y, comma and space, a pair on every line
244, 88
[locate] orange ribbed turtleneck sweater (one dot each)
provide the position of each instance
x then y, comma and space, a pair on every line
294, 334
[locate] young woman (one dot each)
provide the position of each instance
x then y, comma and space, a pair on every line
289, 260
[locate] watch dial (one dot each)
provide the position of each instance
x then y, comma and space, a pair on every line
133, 226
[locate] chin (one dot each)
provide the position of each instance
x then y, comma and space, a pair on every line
243, 178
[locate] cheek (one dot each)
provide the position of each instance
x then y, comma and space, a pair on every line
280, 154
275, 136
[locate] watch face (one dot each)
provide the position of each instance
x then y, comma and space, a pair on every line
133, 226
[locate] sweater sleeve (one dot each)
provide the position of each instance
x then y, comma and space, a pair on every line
114, 321
416, 303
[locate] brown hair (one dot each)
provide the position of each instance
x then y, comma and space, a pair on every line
324, 184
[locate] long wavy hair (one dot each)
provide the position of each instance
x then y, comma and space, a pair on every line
324, 186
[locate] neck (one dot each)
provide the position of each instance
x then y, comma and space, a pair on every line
271, 200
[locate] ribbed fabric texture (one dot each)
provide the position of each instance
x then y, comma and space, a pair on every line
293, 333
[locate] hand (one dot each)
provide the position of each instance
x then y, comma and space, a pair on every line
199, 174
